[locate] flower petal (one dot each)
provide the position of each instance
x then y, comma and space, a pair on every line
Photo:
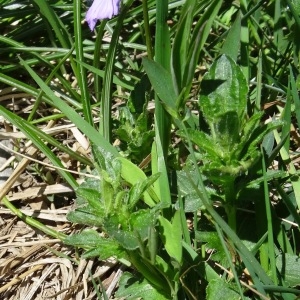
100, 10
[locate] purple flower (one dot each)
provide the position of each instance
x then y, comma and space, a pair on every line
100, 10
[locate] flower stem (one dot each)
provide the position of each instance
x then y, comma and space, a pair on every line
230, 204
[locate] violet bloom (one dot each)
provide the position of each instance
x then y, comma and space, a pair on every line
100, 10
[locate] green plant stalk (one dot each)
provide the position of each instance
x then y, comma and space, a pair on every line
152, 244
271, 251
106, 99
147, 29
230, 204
81, 74
295, 180
258, 274
162, 56
96, 60
245, 42
229, 259
259, 83
231, 215
262, 230
149, 272
32, 222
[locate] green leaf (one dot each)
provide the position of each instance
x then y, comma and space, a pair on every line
250, 126
132, 288
192, 202
206, 144
86, 216
226, 130
231, 45
223, 90
91, 195
137, 190
97, 245
212, 242
141, 221
171, 233
162, 83
288, 266
180, 49
123, 235
90, 209
133, 174
130, 230
219, 289
257, 135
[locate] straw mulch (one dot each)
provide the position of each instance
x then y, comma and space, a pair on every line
32, 264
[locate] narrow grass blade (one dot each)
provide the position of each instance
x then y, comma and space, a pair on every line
105, 125
259, 83
23, 125
180, 49
271, 250
74, 117
80, 72
56, 25
229, 259
32, 134
295, 96
162, 57
295, 180
47, 81
96, 61
198, 39
245, 41
32, 222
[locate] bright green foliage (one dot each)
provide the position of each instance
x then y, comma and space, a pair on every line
218, 289
133, 288
192, 201
134, 133
105, 203
289, 267
229, 148
223, 99
122, 202
212, 241
172, 235
96, 245
296, 5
